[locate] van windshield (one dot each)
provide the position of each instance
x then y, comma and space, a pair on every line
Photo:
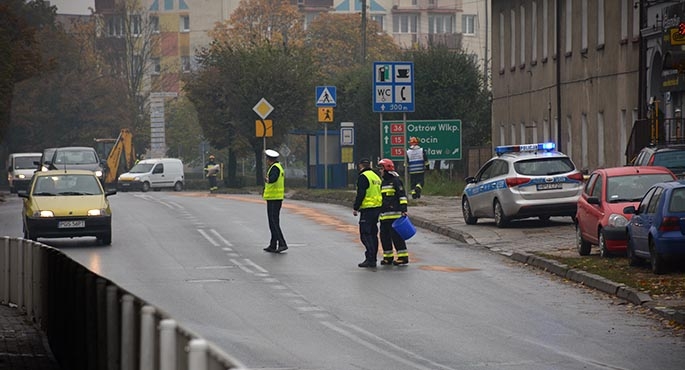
141, 168
25, 163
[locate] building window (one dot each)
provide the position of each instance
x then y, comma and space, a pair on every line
569, 27
185, 23
378, 18
115, 26
583, 141
154, 23
501, 42
405, 23
468, 24
600, 23
136, 24
636, 24
512, 33
155, 67
534, 33
438, 23
600, 139
522, 47
185, 64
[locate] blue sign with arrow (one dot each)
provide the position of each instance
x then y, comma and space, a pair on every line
393, 87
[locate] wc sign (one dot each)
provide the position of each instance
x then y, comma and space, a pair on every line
393, 87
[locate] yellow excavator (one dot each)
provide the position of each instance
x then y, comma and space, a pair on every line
120, 156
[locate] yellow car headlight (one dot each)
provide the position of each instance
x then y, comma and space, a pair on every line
97, 212
43, 214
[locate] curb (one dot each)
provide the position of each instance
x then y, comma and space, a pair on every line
583, 277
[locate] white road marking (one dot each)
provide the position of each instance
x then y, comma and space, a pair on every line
226, 242
209, 238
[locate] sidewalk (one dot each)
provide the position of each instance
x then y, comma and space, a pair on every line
22, 345
522, 240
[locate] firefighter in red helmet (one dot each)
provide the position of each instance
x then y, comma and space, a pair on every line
393, 207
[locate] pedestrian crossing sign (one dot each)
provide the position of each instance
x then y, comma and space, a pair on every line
325, 96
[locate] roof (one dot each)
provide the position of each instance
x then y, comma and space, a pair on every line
62, 172
630, 170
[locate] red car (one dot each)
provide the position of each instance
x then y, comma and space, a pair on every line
600, 219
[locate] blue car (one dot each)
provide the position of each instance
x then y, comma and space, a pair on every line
657, 229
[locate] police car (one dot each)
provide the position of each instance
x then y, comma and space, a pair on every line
521, 181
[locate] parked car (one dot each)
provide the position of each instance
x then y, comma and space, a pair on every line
521, 181
20, 169
66, 203
656, 231
671, 156
600, 219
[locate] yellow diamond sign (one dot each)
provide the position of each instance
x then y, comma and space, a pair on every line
263, 108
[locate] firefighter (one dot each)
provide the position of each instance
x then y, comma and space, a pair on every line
394, 206
211, 172
368, 204
417, 160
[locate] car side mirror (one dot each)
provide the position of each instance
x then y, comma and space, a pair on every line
630, 210
470, 180
110, 192
593, 200
22, 194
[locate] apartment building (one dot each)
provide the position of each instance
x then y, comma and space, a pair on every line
566, 71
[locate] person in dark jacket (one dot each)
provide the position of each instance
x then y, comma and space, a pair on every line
211, 171
368, 204
394, 206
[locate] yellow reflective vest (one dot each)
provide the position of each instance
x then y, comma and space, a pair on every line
373, 197
275, 190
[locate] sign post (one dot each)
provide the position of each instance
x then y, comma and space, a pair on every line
325, 101
264, 127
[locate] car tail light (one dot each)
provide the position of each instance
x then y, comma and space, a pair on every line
669, 223
516, 181
576, 176
651, 161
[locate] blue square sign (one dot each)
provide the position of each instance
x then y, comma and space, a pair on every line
325, 96
393, 87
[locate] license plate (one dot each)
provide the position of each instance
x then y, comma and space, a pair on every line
71, 224
550, 186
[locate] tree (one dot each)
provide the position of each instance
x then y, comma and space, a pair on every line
20, 58
337, 40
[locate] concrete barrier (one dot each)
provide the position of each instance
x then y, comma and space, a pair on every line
90, 322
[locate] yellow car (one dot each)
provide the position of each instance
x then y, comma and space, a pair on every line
67, 203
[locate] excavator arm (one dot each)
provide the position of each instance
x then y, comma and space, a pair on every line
123, 146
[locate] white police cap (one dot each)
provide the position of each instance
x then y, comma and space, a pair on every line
271, 153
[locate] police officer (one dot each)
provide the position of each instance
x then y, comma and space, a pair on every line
211, 173
417, 160
274, 192
367, 204
394, 206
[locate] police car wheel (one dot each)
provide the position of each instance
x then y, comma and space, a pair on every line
500, 218
466, 211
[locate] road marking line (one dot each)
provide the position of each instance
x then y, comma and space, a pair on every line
226, 242
209, 239
260, 268
241, 266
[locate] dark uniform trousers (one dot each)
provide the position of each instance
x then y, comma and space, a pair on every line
273, 213
368, 231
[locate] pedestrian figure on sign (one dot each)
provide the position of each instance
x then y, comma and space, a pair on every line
394, 206
274, 192
368, 204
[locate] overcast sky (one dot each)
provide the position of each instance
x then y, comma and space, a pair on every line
73, 6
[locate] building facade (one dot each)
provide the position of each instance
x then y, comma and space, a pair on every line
566, 71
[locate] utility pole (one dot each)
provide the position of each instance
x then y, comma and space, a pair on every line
363, 32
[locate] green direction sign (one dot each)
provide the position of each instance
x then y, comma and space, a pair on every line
440, 138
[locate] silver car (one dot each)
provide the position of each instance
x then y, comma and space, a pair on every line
521, 181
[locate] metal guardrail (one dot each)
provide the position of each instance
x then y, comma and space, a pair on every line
90, 322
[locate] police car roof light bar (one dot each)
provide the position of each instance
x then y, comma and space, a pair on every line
502, 149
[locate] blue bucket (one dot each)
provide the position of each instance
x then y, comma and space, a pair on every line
404, 227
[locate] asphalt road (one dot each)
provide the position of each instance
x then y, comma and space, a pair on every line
455, 306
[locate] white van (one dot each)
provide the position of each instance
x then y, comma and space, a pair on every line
153, 174
20, 169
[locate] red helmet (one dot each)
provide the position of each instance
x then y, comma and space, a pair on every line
387, 164
413, 140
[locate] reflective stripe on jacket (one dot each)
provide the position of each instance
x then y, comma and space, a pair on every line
394, 197
275, 190
416, 159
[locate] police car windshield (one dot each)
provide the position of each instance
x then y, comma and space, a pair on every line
544, 166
